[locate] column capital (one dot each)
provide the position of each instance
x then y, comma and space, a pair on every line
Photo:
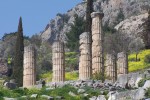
99, 14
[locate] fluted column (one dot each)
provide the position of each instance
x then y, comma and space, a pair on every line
85, 71
122, 63
97, 44
58, 60
111, 67
29, 72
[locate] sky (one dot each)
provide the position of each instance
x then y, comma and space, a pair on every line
35, 14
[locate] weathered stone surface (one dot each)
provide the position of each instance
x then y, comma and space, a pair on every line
93, 98
34, 96
137, 81
10, 85
85, 94
5, 98
122, 63
29, 72
147, 84
47, 97
147, 99
97, 43
140, 94
81, 91
112, 95
101, 97
72, 94
122, 80
85, 57
111, 67
58, 60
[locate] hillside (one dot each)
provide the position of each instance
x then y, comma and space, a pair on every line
114, 11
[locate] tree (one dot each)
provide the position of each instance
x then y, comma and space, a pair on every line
146, 32
117, 42
36, 39
73, 36
89, 10
135, 46
18, 58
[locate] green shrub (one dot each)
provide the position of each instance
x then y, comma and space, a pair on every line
141, 82
98, 76
91, 91
147, 59
71, 61
147, 94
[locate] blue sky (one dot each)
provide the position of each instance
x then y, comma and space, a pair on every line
35, 14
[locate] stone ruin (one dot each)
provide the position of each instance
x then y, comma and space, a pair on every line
58, 59
111, 69
29, 66
122, 63
85, 68
97, 44
90, 61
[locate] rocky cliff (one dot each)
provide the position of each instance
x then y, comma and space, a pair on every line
115, 11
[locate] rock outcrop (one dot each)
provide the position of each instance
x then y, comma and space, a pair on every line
115, 11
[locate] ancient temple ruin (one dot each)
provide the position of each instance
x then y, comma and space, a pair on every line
122, 63
29, 66
58, 59
85, 71
111, 68
97, 44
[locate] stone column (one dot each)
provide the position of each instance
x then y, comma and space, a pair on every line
58, 60
122, 63
111, 70
97, 44
85, 71
29, 72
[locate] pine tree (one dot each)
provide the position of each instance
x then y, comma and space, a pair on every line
89, 10
146, 32
18, 58
73, 36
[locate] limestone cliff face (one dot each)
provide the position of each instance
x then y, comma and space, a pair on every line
132, 25
115, 11
114, 8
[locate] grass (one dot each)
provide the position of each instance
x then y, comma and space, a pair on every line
72, 75
141, 64
1, 81
64, 92
68, 75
